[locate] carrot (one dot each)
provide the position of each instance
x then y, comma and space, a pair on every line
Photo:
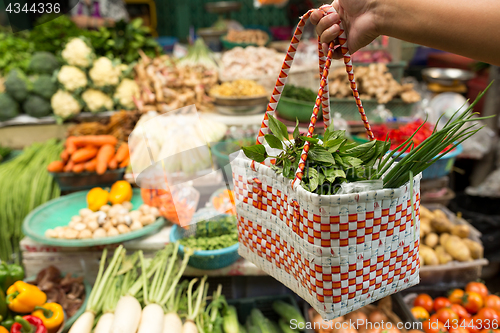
64, 156
125, 162
104, 155
84, 154
96, 140
122, 153
79, 167
56, 166
90, 165
70, 145
69, 166
113, 164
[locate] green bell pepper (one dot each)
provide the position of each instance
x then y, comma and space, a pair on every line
10, 274
3, 305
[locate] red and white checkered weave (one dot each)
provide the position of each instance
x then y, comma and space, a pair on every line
337, 252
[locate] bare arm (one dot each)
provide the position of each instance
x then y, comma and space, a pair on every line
468, 28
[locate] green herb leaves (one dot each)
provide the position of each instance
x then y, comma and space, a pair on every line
256, 152
278, 128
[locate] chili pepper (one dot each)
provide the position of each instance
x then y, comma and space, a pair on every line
10, 274
23, 297
3, 305
51, 314
28, 324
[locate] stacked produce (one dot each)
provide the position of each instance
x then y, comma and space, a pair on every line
444, 241
250, 63
471, 310
248, 36
238, 88
91, 153
26, 184
373, 81
166, 85
223, 201
212, 235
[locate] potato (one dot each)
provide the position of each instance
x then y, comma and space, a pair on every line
443, 256
461, 231
443, 238
425, 229
428, 256
476, 249
355, 316
432, 240
426, 213
441, 225
457, 249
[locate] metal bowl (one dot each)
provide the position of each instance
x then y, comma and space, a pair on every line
446, 76
222, 7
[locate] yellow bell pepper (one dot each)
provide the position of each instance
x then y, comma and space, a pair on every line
22, 297
96, 198
121, 191
51, 314
3, 330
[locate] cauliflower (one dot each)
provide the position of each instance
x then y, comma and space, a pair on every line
65, 105
125, 92
103, 73
72, 78
97, 101
77, 53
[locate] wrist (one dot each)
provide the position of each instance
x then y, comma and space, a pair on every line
381, 10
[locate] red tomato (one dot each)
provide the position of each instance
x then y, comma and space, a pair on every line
472, 302
470, 325
424, 301
492, 301
420, 313
456, 296
460, 311
477, 287
489, 318
448, 317
433, 326
458, 329
441, 302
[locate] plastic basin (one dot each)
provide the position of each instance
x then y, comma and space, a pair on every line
291, 109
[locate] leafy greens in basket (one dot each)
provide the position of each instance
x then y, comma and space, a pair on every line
334, 160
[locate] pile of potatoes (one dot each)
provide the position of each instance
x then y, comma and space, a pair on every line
441, 241
108, 221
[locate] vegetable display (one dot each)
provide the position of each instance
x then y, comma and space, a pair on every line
238, 88
471, 309
26, 184
250, 63
248, 36
10, 274
213, 234
444, 241
373, 81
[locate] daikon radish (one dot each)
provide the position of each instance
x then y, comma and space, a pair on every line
152, 319
104, 323
127, 315
84, 323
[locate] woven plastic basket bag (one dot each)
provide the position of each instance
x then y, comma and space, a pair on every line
337, 252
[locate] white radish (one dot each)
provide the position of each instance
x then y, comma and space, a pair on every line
84, 323
127, 315
152, 319
189, 327
104, 323
172, 323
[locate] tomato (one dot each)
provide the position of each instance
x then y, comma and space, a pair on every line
489, 317
420, 313
456, 296
441, 302
490, 331
470, 325
472, 302
433, 326
424, 301
492, 301
447, 316
477, 287
458, 329
460, 311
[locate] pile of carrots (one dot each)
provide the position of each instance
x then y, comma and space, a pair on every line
91, 153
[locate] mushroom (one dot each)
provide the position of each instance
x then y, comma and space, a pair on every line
114, 221
76, 218
144, 209
127, 220
72, 224
92, 226
60, 231
80, 226
99, 233
120, 219
51, 233
105, 208
85, 212
123, 229
101, 218
108, 225
147, 219
86, 233
136, 225
154, 211
112, 232
70, 233
127, 205
135, 214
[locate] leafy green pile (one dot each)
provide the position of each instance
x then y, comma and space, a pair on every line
299, 93
213, 234
15, 51
334, 160
51, 32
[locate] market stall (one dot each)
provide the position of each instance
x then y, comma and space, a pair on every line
214, 187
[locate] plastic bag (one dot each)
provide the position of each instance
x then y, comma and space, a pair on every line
361, 186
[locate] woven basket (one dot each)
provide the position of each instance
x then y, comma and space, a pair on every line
338, 252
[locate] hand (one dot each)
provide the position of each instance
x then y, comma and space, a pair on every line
359, 19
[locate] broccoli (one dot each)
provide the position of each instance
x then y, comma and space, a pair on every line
43, 63
8, 107
16, 85
44, 86
37, 107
